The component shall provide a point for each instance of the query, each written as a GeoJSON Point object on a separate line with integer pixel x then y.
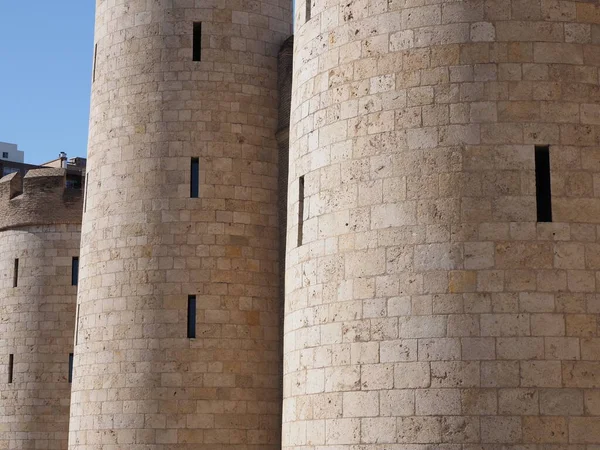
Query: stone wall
{"type": "Point", "coordinates": [284, 88]}
{"type": "Point", "coordinates": [39, 226]}
{"type": "Point", "coordinates": [140, 382]}
{"type": "Point", "coordinates": [40, 197]}
{"type": "Point", "coordinates": [426, 306]}
{"type": "Point", "coordinates": [36, 326]}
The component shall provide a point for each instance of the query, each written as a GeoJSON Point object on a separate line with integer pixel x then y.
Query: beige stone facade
{"type": "Point", "coordinates": [139, 381]}
{"type": "Point", "coordinates": [39, 227]}
{"type": "Point", "coordinates": [433, 299]}
{"type": "Point", "coordinates": [426, 307]}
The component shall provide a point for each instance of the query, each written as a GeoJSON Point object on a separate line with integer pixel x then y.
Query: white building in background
{"type": "Point", "coordinates": [9, 152]}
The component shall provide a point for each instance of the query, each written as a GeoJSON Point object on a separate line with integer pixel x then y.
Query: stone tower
{"type": "Point", "coordinates": [443, 245]}
{"type": "Point", "coordinates": [177, 342]}
{"type": "Point", "coordinates": [40, 223]}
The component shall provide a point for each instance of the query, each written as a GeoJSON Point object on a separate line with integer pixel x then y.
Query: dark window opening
{"type": "Point", "coordinates": [11, 365]}
{"type": "Point", "coordinates": [95, 59]}
{"type": "Point", "coordinates": [74, 271]}
{"type": "Point", "coordinates": [5, 154]}
{"type": "Point", "coordinates": [191, 325]}
{"type": "Point", "coordinates": [308, 9]}
{"type": "Point", "coordinates": [195, 178]}
{"type": "Point", "coordinates": [70, 367]}
{"type": "Point", "coordinates": [197, 44]}
{"type": "Point", "coordinates": [16, 273]}
{"type": "Point", "coordinates": [300, 210]}
{"type": "Point", "coordinates": [542, 184]}
{"type": "Point", "coordinates": [74, 181]}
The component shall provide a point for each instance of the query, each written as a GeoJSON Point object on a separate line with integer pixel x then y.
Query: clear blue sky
{"type": "Point", "coordinates": [46, 51]}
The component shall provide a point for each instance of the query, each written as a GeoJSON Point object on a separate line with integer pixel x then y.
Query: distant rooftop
{"type": "Point", "coordinates": [75, 167]}
{"type": "Point", "coordinates": [10, 152]}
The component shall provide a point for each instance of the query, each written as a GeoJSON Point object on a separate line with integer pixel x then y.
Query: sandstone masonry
{"type": "Point", "coordinates": [180, 83]}
{"type": "Point", "coordinates": [426, 306]}
{"type": "Point", "coordinates": [438, 287]}
{"type": "Point", "coordinates": [39, 236]}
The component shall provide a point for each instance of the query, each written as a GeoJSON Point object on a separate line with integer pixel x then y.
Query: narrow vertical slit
{"type": "Point", "coordinates": [16, 273]}
{"type": "Point", "coordinates": [95, 60]}
{"type": "Point", "coordinates": [70, 367]}
{"type": "Point", "coordinates": [74, 271]}
{"type": "Point", "coordinates": [11, 365]}
{"type": "Point", "coordinates": [85, 193]}
{"type": "Point", "coordinates": [195, 178]}
{"type": "Point", "coordinates": [77, 324]}
{"type": "Point", "coordinates": [542, 184]}
{"type": "Point", "coordinates": [197, 41]}
{"type": "Point", "coordinates": [191, 323]}
{"type": "Point", "coordinates": [300, 210]}
{"type": "Point", "coordinates": [308, 9]}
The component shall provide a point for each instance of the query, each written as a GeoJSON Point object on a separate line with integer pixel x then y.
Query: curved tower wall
{"type": "Point", "coordinates": [426, 305]}
{"type": "Point", "coordinates": [39, 226]}
{"type": "Point", "coordinates": [284, 83]}
{"type": "Point", "coordinates": [139, 380]}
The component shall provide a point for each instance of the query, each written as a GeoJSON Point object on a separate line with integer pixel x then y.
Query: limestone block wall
{"type": "Point", "coordinates": [37, 316]}
{"type": "Point", "coordinates": [426, 307]}
{"type": "Point", "coordinates": [284, 82]}
{"type": "Point", "coordinates": [139, 381]}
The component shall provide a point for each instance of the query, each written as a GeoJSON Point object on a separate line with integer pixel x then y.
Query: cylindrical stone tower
{"type": "Point", "coordinates": [284, 82]}
{"type": "Point", "coordinates": [178, 327]}
{"type": "Point", "coordinates": [442, 275]}
{"type": "Point", "coordinates": [40, 225]}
